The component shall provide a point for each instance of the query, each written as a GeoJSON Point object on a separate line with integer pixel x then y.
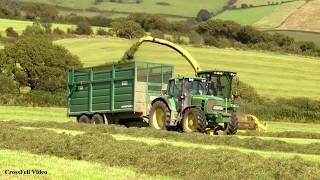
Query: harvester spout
{"type": "Point", "coordinates": [129, 54]}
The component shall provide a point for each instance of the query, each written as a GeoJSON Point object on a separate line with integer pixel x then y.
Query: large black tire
{"type": "Point", "coordinates": [232, 127]}
{"type": "Point", "coordinates": [193, 120]}
{"type": "Point", "coordinates": [97, 119]}
{"type": "Point", "coordinates": [160, 116]}
{"type": "Point", "coordinates": [84, 119]}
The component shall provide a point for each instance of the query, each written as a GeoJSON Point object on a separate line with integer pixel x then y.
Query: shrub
{"type": "Point", "coordinates": [163, 3]}
{"type": "Point", "coordinates": [41, 65]}
{"type": "Point", "coordinates": [83, 28]}
{"type": "Point", "coordinates": [203, 15]}
{"type": "Point", "coordinates": [102, 32]}
{"type": "Point", "coordinates": [58, 31]}
{"type": "Point", "coordinates": [157, 34]}
{"type": "Point", "coordinates": [127, 29]}
{"type": "Point", "coordinates": [11, 32]}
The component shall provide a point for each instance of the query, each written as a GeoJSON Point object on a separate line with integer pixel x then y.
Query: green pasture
{"type": "Point", "coordinates": [301, 36]}
{"type": "Point", "coordinates": [266, 17]}
{"type": "Point", "coordinates": [273, 75]}
{"type": "Point", "coordinates": [190, 7]}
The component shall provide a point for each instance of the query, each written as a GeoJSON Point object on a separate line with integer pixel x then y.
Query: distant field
{"type": "Point", "coordinates": [266, 17]}
{"type": "Point", "coordinates": [19, 26]}
{"type": "Point", "coordinates": [190, 7]}
{"type": "Point", "coordinates": [257, 2]}
{"type": "Point", "coordinates": [305, 19]}
{"type": "Point", "coordinates": [273, 75]}
{"type": "Point", "coordinates": [302, 36]}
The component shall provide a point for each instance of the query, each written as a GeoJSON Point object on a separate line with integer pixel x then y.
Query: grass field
{"type": "Point", "coordinates": [70, 151]}
{"type": "Point", "coordinates": [305, 19]}
{"type": "Point", "coordinates": [148, 6]}
{"type": "Point", "coordinates": [273, 75]}
{"type": "Point", "coordinates": [59, 168]}
{"type": "Point", "coordinates": [266, 17]}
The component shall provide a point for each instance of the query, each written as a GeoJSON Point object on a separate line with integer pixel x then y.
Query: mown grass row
{"type": "Point", "coordinates": [233, 141]}
{"type": "Point", "coordinates": [186, 163]}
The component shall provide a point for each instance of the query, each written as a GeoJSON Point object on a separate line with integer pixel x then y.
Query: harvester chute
{"type": "Point", "coordinates": [129, 54]}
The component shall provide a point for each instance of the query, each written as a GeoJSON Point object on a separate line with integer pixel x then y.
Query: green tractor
{"type": "Point", "coordinates": [191, 105]}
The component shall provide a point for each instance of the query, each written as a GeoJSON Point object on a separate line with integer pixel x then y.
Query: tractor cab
{"type": "Point", "coordinates": [219, 82]}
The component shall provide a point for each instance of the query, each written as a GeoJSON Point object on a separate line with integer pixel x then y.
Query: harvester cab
{"type": "Point", "coordinates": [188, 105]}
{"type": "Point", "coordinates": [220, 83]}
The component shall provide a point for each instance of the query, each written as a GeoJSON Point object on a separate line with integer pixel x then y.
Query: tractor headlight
{"type": "Point", "coordinates": [217, 108]}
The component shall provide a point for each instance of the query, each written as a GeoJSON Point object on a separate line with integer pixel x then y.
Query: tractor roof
{"type": "Point", "coordinates": [194, 78]}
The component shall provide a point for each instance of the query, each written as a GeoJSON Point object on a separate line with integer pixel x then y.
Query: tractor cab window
{"type": "Point", "coordinates": [195, 87]}
{"type": "Point", "coordinates": [220, 86]}
{"type": "Point", "coordinates": [175, 88]}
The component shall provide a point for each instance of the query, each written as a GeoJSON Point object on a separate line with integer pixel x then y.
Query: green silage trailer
{"type": "Point", "coordinates": [112, 92]}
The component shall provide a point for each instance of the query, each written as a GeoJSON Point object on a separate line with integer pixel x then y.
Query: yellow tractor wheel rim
{"type": "Point", "coordinates": [190, 122]}
{"type": "Point", "coordinates": [158, 118]}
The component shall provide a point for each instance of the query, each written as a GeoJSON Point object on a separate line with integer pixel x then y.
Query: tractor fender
{"type": "Point", "coordinates": [165, 100]}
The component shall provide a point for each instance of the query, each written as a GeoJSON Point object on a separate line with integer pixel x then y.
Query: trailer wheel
{"type": "Point", "coordinates": [84, 119]}
{"type": "Point", "coordinates": [97, 119]}
{"type": "Point", "coordinates": [232, 127]}
{"type": "Point", "coordinates": [194, 120]}
{"type": "Point", "coordinates": [159, 116]}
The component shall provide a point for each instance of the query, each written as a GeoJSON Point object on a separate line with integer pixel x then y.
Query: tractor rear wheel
{"type": "Point", "coordinates": [194, 120]}
{"type": "Point", "coordinates": [97, 119]}
{"type": "Point", "coordinates": [232, 127]}
{"type": "Point", "coordinates": [159, 116]}
{"type": "Point", "coordinates": [84, 119]}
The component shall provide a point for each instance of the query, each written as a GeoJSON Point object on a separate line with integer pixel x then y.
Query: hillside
{"type": "Point", "coordinates": [305, 19]}
{"type": "Point", "coordinates": [166, 7]}
{"type": "Point", "coordinates": [264, 17]}
{"type": "Point", "coordinates": [273, 75]}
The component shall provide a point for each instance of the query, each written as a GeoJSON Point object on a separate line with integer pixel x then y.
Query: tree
{"type": "Point", "coordinates": [127, 29]}
{"type": "Point", "coordinates": [203, 15]}
{"type": "Point", "coordinates": [38, 63]}
{"type": "Point", "coordinates": [101, 32]}
{"type": "Point", "coordinates": [58, 31]}
{"type": "Point", "coordinates": [11, 32]}
{"type": "Point", "coordinates": [83, 28]}
{"type": "Point", "coordinates": [34, 30]}
{"type": "Point", "coordinates": [149, 21]}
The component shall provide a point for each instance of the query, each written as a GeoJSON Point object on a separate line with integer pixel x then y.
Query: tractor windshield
{"type": "Point", "coordinates": [221, 86]}
{"type": "Point", "coordinates": [196, 87]}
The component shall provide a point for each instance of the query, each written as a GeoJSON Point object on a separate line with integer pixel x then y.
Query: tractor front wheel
{"type": "Point", "coordinates": [232, 127]}
{"type": "Point", "coordinates": [159, 116]}
{"type": "Point", "coordinates": [194, 120]}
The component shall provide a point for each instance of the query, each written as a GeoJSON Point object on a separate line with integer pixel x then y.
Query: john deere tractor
{"type": "Point", "coordinates": [189, 104]}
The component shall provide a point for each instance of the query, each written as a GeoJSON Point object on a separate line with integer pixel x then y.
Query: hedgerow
{"type": "Point", "coordinates": [233, 141]}
{"type": "Point", "coordinates": [163, 159]}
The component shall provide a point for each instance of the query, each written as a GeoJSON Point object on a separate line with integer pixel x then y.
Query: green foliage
{"type": "Point", "coordinates": [229, 34]}
{"type": "Point", "coordinates": [37, 10]}
{"type": "Point", "coordinates": [127, 29]}
{"type": "Point", "coordinates": [93, 147]}
{"type": "Point", "coordinates": [203, 15]}
{"type": "Point", "coordinates": [38, 63]}
{"type": "Point", "coordinates": [83, 28]}
{"type": "Point", "coordinates": [58, 31]}
{"type": "Point", "coordinates": [8, 85]}
{"type": "Point", "coordinates": [102, 32]}
{"type": "Point", "coordinates": [149, 21]}
{"type": "Point", "coordinates": [11, 32]}
{"type": "Point", "coordinates": [157, 34]}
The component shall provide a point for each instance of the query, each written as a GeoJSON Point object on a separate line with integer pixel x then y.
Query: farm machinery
{"type": "Point", "coordinates": [130, 89]}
